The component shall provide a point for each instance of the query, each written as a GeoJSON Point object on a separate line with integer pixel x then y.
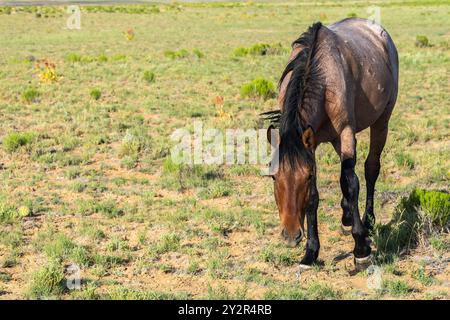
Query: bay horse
{"type": "Point", "coordinates": [340, 79]}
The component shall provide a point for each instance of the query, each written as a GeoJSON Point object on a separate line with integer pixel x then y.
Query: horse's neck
{"type": "Point", "coordinates": [313, 113]}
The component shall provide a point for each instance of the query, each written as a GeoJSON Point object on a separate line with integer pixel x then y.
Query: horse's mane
{"type": "Point", "coordinates": [304, 87]}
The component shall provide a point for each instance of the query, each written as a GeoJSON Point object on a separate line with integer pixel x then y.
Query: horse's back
{"type": "Point", "coordinates": [373, 59]}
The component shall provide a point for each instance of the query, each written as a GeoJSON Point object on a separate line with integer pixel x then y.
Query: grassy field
{"type": "Point", "coordinates": [86, 178]}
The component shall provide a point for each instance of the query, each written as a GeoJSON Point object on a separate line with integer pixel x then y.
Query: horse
{"type": "Point", "coordinates": [340, 79]}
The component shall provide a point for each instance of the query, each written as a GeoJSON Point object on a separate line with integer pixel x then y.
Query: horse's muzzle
{"type": "Point", "coordinates": [294, 240]}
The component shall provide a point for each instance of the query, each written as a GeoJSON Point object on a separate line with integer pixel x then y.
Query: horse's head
{"type": "Point", "coordinates": [294, 183]}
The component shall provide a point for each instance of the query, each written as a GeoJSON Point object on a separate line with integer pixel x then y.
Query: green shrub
{"type": "Point", "coordinates": [47, 282]}
{"type": "Point", "coordinates": [198, 53]}
{"type": "Point", "coordinates": [73, 57]}
{"type": "Point", "coordinates": [259, 49]}
{"type": "Point", "coordinates": [30, 95]}
{"type": "Point", "coordinates": [422, 41]}
{"type": "Point", "coordinates": [95, 94]}
{"type": "Point", "coordinates": [411, 220]}
{"type": "Point", "coordinates": [352, 15]}
{"type": "Point", "coordinates": [102, 58]}
{"type": "Point", "coordinates": [182, 53]}
{"type": "Point", "coordinates": [15, 140]}
{"type": "Point", "coordinates": [240, 52]}
{"type": "Point", "coordinates": [259, 87]}
{"type": "Point", "coordinates": [149, 76]}
{"type": "Point", "coordinates": [435, 204]}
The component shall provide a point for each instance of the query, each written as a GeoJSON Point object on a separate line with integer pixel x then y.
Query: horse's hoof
{"type": "Point", "coordinates": [363, 263]}
{"type": "Point", "coordinates": [304, 267]}
{"type": "Point", "coordinates": [346, 230]}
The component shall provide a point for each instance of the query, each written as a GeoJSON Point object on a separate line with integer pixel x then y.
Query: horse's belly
{"type": "Point", "coordinates": [372, 97]}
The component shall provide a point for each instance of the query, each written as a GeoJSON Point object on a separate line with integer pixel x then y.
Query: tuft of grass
{"type": "Point", "coordinates": [222, 293]}
{"type": "Point", "coordinates": [74, 57]}
{"type": "Point", "coordinates": [278, 256]}
{"type": "Point", "coordinates": [168, 243]}
{"type": "Point", "coordinates": [96, 94]}
{"type": "Point", "coordinates": [258, 88]}
{"type": "Point", "coordinates": [439, 243]}
{"type": "Point", "coordinates": [319, 291]}
{"type": "Point", "coordinates": [14, 140]}
{"type": "Point", "coordinates": [30, 95]}
{"type": "Point", "coordinates": [5, 277]}
{"type": "Point", "coordinates": [109, 209]}
{"type": "Point", "coordinates": [396, 288]}
{"type": "Point", "coordinates": [47, 282]}
{"type": "Point", "coordinates": [404, 160]}
{"type": "Point", "coordinates": [422, 41]}
{"type": "Point", "coordinates": [149, 76]}
{"type": "Point", "coordinates": [315, 291]}
{"type": "Point", "coordinates": [215, 190]}
{"type": "Point", "coordinates": [287, 292]}
{"type": "Point", "coordinates": [198, 53]}
{"type": "Point", "coordinates": [181, 176]}
{"type": "Point", "coordinates": [421, 275]}
{"type": "Point", "coordinates": [180, 54]}
{"type": "Point", "coordinates": [259, 49]}
{"type": "Point", "coordinates": [240, 52]}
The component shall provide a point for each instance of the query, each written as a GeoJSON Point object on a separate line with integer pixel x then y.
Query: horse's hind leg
{"type": "Point", "coordinates": [378, 135]}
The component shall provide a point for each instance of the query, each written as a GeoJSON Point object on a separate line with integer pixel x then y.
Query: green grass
{"type": "Point", "coordinates": [422, 41]}
{"type": "Point", "coordinates": [396, 288]}
{"type": "Point", "coordinates": [47, 282]}
{"type": "Point", "coordinates": [412, 220]}
{"type": "Point", "coordinates": [96, 94]}
{"type": "Point", "coordinates": [258, 88]}
{"type": "Point", "coordinates": [14, 140]}
{"type": "Point", "coordinates": [88, 179]}
{"type": "Point", "coordinates": [149, 76]}
{"type": "Point", "coordinates": [30, 95]}
{"type": "Point", "coordinates": [123, 293]}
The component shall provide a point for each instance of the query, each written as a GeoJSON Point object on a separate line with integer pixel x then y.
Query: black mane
{"type": "Point", "coordinates": [304, 86]}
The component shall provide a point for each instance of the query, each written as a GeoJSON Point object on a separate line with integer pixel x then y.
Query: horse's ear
{"type": "Point", "coordinates": [273, 133]}
{"type": "Point", "coordinates": [308, 139]}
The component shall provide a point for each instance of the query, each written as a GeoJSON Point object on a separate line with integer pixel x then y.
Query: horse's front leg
{"type": "Point", "coordinates": [312, 242]}
{"type": "Point", "coordinates": [350, 188]}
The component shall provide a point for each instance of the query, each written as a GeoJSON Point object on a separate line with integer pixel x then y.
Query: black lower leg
{"type": "Point", "coordinates": [312, 243]}
{"type": "Point", "coordinates": [350, 188]}
{"type": "Point", "coordinates": [346, 215]}
{"type": "Point", "coordinates": [371, 172]}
